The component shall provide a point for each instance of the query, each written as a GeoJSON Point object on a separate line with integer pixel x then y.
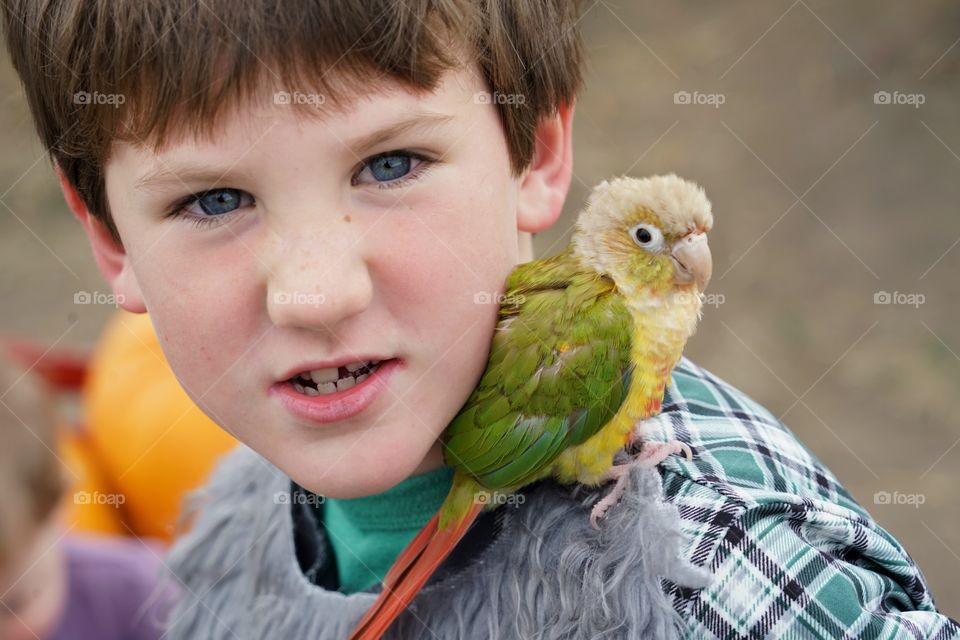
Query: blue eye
{"type": "Point", "coordinates": [211, 206]}
{"type": "Point", "coordinates": [391, 169]}
{"type": "Point", "coordinates": [219, 201]}
{"type": "Point", "coordinates": [387, 168]}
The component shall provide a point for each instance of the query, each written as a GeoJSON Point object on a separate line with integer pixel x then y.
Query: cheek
{"type": "Point", "coordinates": [445, 254]}
{"type": "Point", "coordinates": [465, 231]}
{"type": "Point", "coordinates": [444, 267]}
{"type": "Point", "coordinates": [189, 297]}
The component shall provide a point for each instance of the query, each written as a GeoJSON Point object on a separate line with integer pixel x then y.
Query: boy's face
{"type": "Point", "coordinates": [312, 249]}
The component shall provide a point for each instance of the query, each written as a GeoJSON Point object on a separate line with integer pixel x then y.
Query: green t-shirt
{"type": "Point", "coordinates": [367, 534]}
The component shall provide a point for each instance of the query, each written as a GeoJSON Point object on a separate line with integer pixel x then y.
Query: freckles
{"type": "Point", "coordinates": [205, 354]}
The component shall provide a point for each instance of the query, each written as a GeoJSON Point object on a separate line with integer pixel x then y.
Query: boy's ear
{"type": "Point", "coordinates": [112, 260]}
{"type": "Point", "coordinates": [544, 186]}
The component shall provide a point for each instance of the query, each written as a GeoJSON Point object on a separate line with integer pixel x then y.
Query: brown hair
{"type": "Point", "coordinates": [31, 476]}
{"type": "Point", "coordinates": [175, 64]}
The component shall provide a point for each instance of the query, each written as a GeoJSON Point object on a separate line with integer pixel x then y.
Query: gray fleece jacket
{"type": "Point", "coordinates": [533, 568]}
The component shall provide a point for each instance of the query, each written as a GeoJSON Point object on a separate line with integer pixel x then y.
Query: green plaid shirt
{"type": "Point", "coordinates": [792, 553]}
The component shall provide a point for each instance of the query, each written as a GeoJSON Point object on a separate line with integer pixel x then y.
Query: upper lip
{"type": "Point", "coordinates": [330, 364]}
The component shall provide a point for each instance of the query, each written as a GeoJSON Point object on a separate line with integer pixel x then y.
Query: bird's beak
{"type": "Point", "coordinates": [691, 260]}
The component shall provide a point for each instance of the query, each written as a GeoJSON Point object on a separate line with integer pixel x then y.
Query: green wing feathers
{"type": "Point", "coordinates": [558, 370]}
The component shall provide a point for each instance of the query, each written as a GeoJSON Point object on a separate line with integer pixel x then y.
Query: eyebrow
{"type": "Point", "coordinates": [419, 120]}
{"type": "Point", "coordinates": [192, 172]}
{"type": "Point", "coordinates": [180, 174]}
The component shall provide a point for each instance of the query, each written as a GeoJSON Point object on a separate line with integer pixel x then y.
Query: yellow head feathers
{"type": "Point", "coordinates": [647, 231]}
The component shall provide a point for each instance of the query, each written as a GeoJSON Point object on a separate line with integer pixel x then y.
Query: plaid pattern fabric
{"type": "Point", "coordinates": [792, 553]}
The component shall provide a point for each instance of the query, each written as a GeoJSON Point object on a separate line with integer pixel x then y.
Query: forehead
{"type": "Point", "coordinates": [387, 110]}
{"type": "Point", "coordinates": [294, 117]}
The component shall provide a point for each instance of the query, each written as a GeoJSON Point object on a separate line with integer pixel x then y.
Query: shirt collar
{"type": "Point", "coordinates": [315, 555]}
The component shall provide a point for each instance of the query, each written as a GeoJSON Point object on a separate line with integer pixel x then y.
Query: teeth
{"type": "Point", "coordinates": [329, 381]}
{"type": "Point", "coordinates": [324, 375]}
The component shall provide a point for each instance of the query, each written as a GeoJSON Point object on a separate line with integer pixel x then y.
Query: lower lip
{"type": "Point", "coordinates": [339, 405]}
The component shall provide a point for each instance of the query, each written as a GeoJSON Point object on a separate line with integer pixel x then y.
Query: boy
{"type": "Point", "coordinates": [327, 191]}
{"type": "Point", "coordinates": [55, 586]}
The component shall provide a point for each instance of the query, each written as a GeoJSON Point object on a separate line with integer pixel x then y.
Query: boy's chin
{"type": "Point", "coordinates": [369, 475]}
{"type": "Point", "coordinates": [353, 487]}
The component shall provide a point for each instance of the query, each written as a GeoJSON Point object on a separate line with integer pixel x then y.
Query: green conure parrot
{"type": "Point", "coordinates": [583, 349]}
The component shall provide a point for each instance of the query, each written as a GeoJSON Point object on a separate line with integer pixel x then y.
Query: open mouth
{"type": "Point", "coordinates": [320, 382]}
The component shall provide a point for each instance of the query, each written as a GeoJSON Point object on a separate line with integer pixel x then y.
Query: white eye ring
{"type": "Point", "coordinates": [647, 236]}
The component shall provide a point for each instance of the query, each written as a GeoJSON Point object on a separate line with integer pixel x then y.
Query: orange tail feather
{"type": "Point", "coordinates": [410, 572]}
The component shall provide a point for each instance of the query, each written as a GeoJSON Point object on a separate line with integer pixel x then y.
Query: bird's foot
{"type": "Point", "coordinates": [620, 472]}
{"type": "Point", "coordinates": [652, 454]}
{"type": "Point", "coordinates": [641, 431]}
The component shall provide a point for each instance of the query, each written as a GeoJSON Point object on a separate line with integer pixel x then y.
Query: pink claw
{"type": "Point", "coordinates": [652, 454]}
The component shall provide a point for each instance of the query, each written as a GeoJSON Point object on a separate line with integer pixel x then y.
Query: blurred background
{"type": "Point", "coordinates": [827, 137]}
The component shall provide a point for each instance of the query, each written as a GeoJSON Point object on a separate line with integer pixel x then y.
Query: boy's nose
{"type": "Point", "coordinates": [314, 289]}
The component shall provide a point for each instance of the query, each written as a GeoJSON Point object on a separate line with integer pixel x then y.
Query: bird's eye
{"type": "Point", "coordinates": [647, 236]}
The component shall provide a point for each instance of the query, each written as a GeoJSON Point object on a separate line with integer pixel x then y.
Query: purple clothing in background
{"type": "Point", "coordinates": [111, 590]}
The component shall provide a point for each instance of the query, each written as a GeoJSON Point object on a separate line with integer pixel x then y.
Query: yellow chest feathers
{"type": "Point", "coordinates": [660, 331]}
